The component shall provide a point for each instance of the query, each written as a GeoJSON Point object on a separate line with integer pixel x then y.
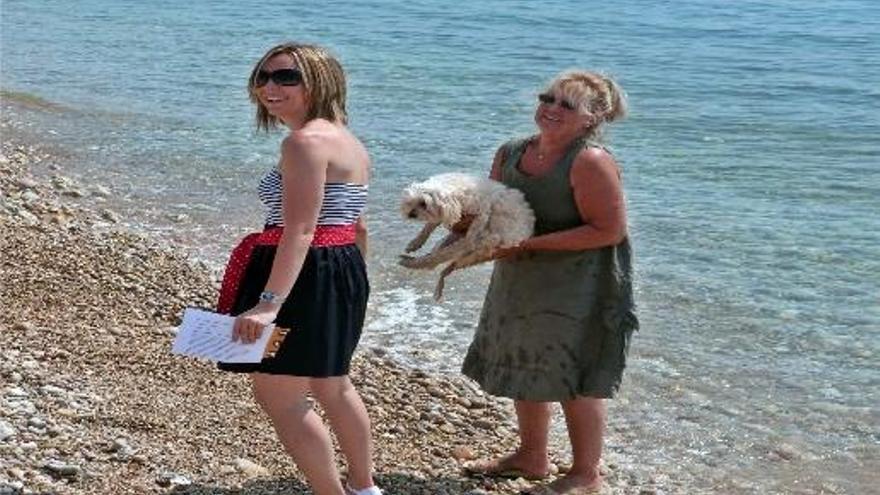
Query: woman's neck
{"type": "Point", "coordinates": [294, 124]}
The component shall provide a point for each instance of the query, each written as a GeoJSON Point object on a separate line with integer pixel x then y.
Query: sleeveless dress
{"type": "Point", "coordinates": [325, 310]}
{"type": "Point", "coordinates": [555, 325]}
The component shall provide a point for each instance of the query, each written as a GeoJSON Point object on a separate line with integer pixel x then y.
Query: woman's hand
{"type": "Point", "coordinates": [504, 252]}
{"type": "Point", "coordinates": [249, 325]}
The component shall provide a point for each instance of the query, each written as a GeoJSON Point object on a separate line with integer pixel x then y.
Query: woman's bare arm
{"type": "Point", "coordinates": [598, 194]}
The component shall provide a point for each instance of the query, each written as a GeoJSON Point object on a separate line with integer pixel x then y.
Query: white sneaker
{"type": "Point", "coordinates": [372, 490]}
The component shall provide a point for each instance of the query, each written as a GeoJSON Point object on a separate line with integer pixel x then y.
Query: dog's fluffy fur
{"type": "Point", "coordinates": [501, 218]}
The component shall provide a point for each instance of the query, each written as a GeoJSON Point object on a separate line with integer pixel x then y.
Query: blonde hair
{"type": "Point", "coordinates": [323, 82]}
{"type": "Point", "coordinates": [592, 93]}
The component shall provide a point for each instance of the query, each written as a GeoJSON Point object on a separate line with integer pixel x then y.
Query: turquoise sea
{"type": "Point", "coordinates": [751, 161]}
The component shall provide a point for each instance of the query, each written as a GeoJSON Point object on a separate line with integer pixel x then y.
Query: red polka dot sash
{"type": "Point", "coordinates": [325, 236]}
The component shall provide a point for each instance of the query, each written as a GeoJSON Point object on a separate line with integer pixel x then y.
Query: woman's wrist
{"type": "Point", "coordinates": [272, 298]}
{"type": "Point", "coordinates": [265, 307]}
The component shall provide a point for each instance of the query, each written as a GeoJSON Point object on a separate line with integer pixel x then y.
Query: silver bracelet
{"type": "Point", "coordinates": [267, 296]}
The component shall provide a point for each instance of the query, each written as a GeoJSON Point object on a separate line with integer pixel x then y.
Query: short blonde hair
{"type": "Point", "coordinates": [323, 82]}
{"type": "Point", "coordinates": [592, 93]}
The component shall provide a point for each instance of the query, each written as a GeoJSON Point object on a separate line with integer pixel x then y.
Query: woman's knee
{"type": "Point", "coordinates": [585, 405]}
{"type": "Point", "coordinates": [330, 390]}
{"type": "Point", "coordinates": [277, 394]}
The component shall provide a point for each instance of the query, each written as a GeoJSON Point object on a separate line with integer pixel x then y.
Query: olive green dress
{"type": "Point", "coordinates": [555, 325]}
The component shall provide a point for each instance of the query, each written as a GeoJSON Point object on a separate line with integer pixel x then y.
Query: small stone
{"type": "Point", "coordinates": [24, 326]}
{"type": "Point", "coordinates": [37, 422]}
{"type": "Point", "coordinates": [101, 191]}
{"type": "Point", "coordinates": [484, 424]}
{"type": "Point", "coordinates": [53, 390]}
{"type": "Point", "coordinates": [28, 446]}
{"type": "Point", "coordinates": [118, 445]}
{"type": "Point", "coordinates": [436, 392]}
{"type": "Point", "coordinates": [122, 451]}
{"type": "Point", "coordinates": [169, 479]}
{"type": "Point", "coordinates": [27, 216]}
{"type": "Point", "coordinates": [62, 469]}
{"type": "Point", "coordinates": [110, 216]}
{"type": "Point", "coordinates": [786, 452]}
{"type": "Point", "coordinates": [6, 430]}
{"type": "Point", "coordinates": [73, 193]}
{"type": "Point", "coordinates": [15, 392]}
{"type": "Point", "coordinates": [27, 183]}
{"type": "Point", "coordinates": [250, 469]}
{"type": "Point", "coordinates": [11, 487]}
{"type": "Point", "coordinates": [463, 453]}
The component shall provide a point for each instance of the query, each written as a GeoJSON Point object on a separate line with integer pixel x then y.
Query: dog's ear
{"type": "Point", "coordinates": [410, 202]}
{"type": "Point", "coordinates": [428, 202]}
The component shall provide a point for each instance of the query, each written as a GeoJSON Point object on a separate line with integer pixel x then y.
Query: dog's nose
{"type": "Point", "coordinates": [412, 214]}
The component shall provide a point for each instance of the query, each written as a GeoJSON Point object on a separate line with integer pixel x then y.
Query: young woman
{"type": "Point", "coordinates": [305, 272]}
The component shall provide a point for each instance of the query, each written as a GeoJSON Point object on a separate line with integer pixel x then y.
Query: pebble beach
{"type": "Point", "coordinates": [93, 402]}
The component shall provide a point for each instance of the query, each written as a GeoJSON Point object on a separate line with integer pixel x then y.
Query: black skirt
{"type": "Point", "coordinates": [324, 311]}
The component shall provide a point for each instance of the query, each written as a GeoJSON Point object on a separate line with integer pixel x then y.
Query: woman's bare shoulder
{"type": "Point", "coordinates": [594, 159]}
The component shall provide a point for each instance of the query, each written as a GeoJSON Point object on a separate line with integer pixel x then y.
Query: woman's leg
{"type": "Point", "coordinates": [533, 419]}
{"type": "Point", "coordinates": [531, 457]}
{"type": "Point", "coordinates": [301, 431]}
{"type": "Point", "coordinates": [350, 422]}
{"type": "Point", "coordinates": [585, 418]}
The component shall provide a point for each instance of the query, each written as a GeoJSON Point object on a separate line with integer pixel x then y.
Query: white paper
{"type": "Point", "coordinates": [208, 335]}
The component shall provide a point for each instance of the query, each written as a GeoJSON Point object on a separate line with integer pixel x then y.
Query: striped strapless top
{"type": "Point", "coordinates": [343, 202]}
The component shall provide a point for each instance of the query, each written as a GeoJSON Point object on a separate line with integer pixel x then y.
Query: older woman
{"type": "Point", "coordinates": [305, 272]}
{"type": "Point", "coordinates": [559, 312]}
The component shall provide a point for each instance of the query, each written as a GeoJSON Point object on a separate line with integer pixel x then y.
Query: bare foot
{"type": "Point", "coordinates": [571, 484]}
{"type": "Point", "coordinates": [511, 466]}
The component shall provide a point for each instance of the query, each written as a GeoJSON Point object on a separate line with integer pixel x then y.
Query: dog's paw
{"type": "Point", "coordinates": [413, 246]}
{"type": "Point", "coordinates": [438, 291]}
{"type": "Point", "coordinates": [408, 261]}
{"type": "Point", "coordinates": [415, 262]}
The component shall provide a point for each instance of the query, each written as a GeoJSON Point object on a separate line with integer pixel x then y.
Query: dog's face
{"type": "Point", "coordinates": [434, 201]}
{"type": "Point", "coordinates": [419, 204]}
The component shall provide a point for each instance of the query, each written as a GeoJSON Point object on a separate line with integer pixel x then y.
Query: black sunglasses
{"type": "Point", "coordinates": [549, 99]}
{"type": "Point", "coordinates": [281, 77]}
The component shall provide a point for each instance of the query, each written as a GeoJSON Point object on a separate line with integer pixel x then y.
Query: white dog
{"type": "Point", "coordinates": [499, 217]}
